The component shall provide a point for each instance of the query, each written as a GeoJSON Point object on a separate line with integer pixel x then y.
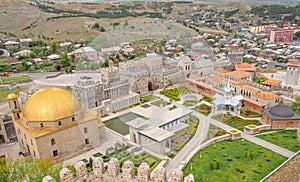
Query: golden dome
{"type": "Point", "coordinates": [11, 96]}
{"type": "Point", "coordinates": [51, 104]}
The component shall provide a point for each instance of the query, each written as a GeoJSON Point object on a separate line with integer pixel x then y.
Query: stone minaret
{"type": "Point", "coordinates": [14, 106]}
{"type": "Point", "coordinates": [292, 72]}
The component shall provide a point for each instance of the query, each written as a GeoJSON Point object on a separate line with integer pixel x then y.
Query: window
{"type": "Point", "coordinates": [31, 142]}
{"type": "Point", "coordinates": [34, 153]}
{"type": "Point", "coordinates": [18, 115]}
{"type": "Point", "coordinates": [53, 141]}
{"type": "Point", "coordinates": [42, 125]}
{"type": "Point", "coordinates": [25, 136]}
{"type": "Point", "coordinates": [87, 141]}
{"type": "Point", "coordinates": [15, 104]}
{"type": "Point", "coordinates": [73, 118]}
{"type": "Point", "coordinates": [55, 153]}
{"type": "Point", "coordinates": [85, 130]}
{"type": "Point", "coordinates": [59, 123]}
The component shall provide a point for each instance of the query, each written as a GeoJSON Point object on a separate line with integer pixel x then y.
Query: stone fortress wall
{"type": "Point", "coordinates": [110, 172]}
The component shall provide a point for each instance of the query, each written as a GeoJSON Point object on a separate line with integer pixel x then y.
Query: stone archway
{"type": "Point", "coordinates": [145, 85]}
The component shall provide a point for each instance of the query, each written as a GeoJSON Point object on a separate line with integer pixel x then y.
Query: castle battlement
{"type": "Point", "coordinates": [110, 172]}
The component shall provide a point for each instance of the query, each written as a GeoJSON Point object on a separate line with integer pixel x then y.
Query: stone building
{"type": "Point", "coordinates": [54, 125]}
{"type": "Point", "coordinates": [7, 129]}
{"type": "Point", "coordinates": [144, 75]}
{"type": "Point", "coordinates": [155, 133]}
{"type": "Point", "coordinates": [111, 94]}
{"type": "Point", "coordinates": [112, 173]}
{"type": "Point", "coordinates": [235, 56]}
{"type": "Point", "coordinates": [227, 102]}
{"type": "Point", "coordinates": [281, 117]}
{"type": "Point", "coordinates": [292, 72]}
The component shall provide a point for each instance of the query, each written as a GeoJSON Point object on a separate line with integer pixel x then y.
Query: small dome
{"type": "Point", "coordinates": [51, 104]}
{"type": "Point", "coordinates": [281, 110]}
{"type": "Point", "coordinates": [11, 96]}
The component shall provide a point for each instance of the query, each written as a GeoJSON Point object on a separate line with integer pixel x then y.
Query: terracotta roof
{"type": "Point", "coordinates": [222, 70]}
{"type": "Point", "coordinates": [266, 95]}
{"type": "Point", "coordinates": [224, 80]}
{"type": "Point", "coordinates": [251, 89]}
{"type": "Point", "coordinates": [254, 102]}
{"type": "Point", "coordinates": [239, 74]}
{"type": "Point", "coordinates": [244, 67]}
{"type": "Point", "coordinates": [13, 61]}
{"type": "Point", "coordinates": [271, 82]}
{"type": "Point", "coordinates": [232, 47]}
{"type": "Point", "coordinates": [293, 62]}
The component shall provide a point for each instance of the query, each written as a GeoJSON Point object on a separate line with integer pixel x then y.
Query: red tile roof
{"type": "Point", "coordinates": [244, 67]}
{"type": "Point", "coordinates": [271, 82]}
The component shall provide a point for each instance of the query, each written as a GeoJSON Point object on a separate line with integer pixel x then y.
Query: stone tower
{"type": "Point", "coordinates": [159, 175]}
{"type": "Point", "coordinates": [176, 176]}
{"type": "Point", "coordinates": [81, 171]}
{"type": "Point", "coordinates": [66, 175]}
{"type": "Point", "coordinates": [292, 72]}
{"type": "Point", "coordinates": [98, 168]}
{"type": "Point", "coordinates": [113, 170]}
{"type": "Point", "coordinates": [14, 106]}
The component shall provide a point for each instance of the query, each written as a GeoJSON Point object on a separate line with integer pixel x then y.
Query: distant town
{"type": "Point", "coordinates": [177, 91]}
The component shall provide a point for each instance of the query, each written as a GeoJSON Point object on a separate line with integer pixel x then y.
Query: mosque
{"type": "Point", "coordinates": [54, 125]}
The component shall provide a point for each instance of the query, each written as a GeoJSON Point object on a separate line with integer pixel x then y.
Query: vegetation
{"type": "Point", "coordinates": [296, 105]}
{"type": "Point", "coordinates": [249, 114]}
{"type": "Point", "coordinates": [235, 121]}
{"type": "Point", "coordinates": [206, 98]}
{"type": "Point", "coordinates": [15, 79]}
{"type": "Point", "coordinates": [28, 170]}
{"type": "Point", "coordinates": [160, 102]}
{"type": "Point", "coordinates": [149, 98]}
{"type": "Point", "coordinates": [259, 80]}
{"type": "Point", "coordinates": [222, 163]}
{"type": "Point", "coordinates": [5, 91]}
{"type": "Point", "coordinates": [286, 139]}
{"type": "Point", "coordinates": [183, 136]}
{"type": "Point", "coordinates": [174, 93]}
{"type": "Point", "coordinates": [203, 109]}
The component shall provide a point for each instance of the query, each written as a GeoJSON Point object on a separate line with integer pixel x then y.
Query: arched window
{"type": "Point", "coordinates": [52, 141]}
{"type": "Point", "coordinates": [59, 123]}
{"type": "Point", "coordinates": [85, 130]}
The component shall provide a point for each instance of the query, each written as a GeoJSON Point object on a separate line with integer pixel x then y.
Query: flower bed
{"type": "Point", "coordinates": [249, 114]}
{"type": "Point", "coordinates": [235, 121]}
{"type": "Point", "coordinates": [203, 109]}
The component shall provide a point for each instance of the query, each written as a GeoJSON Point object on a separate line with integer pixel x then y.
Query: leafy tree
{"type": "Point", "coordinates": [1, 52]}
{"type": "Point", "coordinates": [53, 47]}
{"type": "Point", "coordinates": [218, 164]}
{"type": "Point", "coordinates": [25, 65]}
{"type": "Point", "coordinates": [296, 105]}
{"type": "Point", "coordinates": [96, 26]}
{"type": "Point", "coordinates": [246, 153]}
{"type": "Point", "coordinates": [211, 166]}
{"type": "Point", "coordinates": [102, 29]}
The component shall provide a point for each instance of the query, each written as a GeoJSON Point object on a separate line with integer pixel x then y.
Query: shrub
{"type": "Point", "coordinates": [218, 165]}
{"type": "Point", "coordinates": [225, 155]}
{"type": "Point", "coordinates": [211, 165]}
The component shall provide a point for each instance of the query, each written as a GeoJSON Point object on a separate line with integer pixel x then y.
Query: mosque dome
{"type": "Point", "coordinates": [51, 104]}
{"type": "Point", "coordinates": [11, 96]}
{"type": "Point", "coordinates": [281, 110]}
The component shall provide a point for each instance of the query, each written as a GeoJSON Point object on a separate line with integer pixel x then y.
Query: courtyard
{"type": "Point", "coordinates": [119, 125]}
{"type": "Point", "coordinates": [247, 162]}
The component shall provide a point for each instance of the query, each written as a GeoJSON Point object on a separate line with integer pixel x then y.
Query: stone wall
{"type": "Point", "coordinates": [110, 172]}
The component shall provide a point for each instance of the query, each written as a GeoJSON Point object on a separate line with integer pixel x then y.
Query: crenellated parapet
{"type": "Point", "coordinates": [110, 172]}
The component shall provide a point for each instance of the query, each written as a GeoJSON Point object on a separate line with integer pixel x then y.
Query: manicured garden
{"type": "Point", "coordinates": [249, 114]}
{"type": "Point", "coordinates": [206, 98]}
{"type": "Point", "coordinates": [215, 131]}
{"type": "Point", "coordinates": [203, 109]}
{"type": "Point", "coordinates": [15, 79]}
{"type": "Point", "coordinates": [183, 136]}
{"type": "Point", "coordinates": [174, 93]}
{"type": "Point", "coordinates": [235, 121]}
{"type": "Point", "coordinates": [286, 139]}
{"type": "Point", "coordinates": [236, 160]}
{"type": "Point", "coordinates": [119, 125]}
{"type": "Point", "coordinates": [188, 103]}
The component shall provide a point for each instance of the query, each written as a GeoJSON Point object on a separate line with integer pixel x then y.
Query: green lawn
{"type": "Point", "coordinates": [4, 93]}
{"type": "Point", "coordinates": [233, 164]}
{"type": "Point", "coordinates": [286, 139]}
{"type": "Point", "coordinates": [235, 121]}
{"type": "Point", "coordinates": [149, 98]}
{"type": "Point", "coordinates": [119, 125]}
{"type": "Point", "coordinates": [206, 98]}
{"type": "Point", "coordinates": [160, 102]}
{"type": "Point", "coordinates": [15, 78]}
